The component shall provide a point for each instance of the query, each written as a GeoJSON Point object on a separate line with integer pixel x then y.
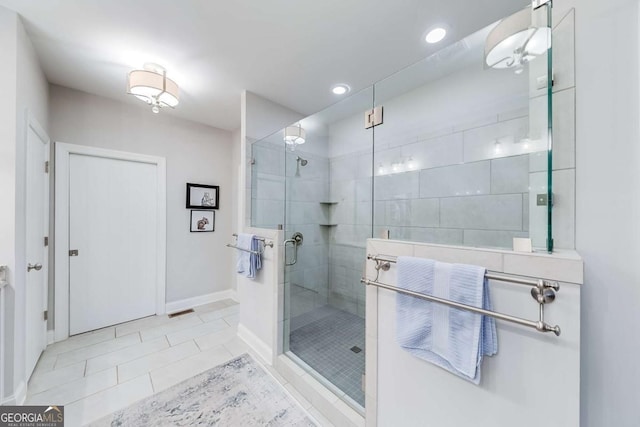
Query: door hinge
{"type": "Point", "coordinates": [45, 315]}
{"type": "Point", "coordinates": [46, 166]}
{"type": "Point", "coordinates": [46, 241]}
{"type": "Point", "coordinates": [373, 117]}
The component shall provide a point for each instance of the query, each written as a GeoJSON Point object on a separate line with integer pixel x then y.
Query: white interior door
{"type": "Point", "coordinates": [113, 227]}
{"type": "Point", "coordinates": [37, 225]}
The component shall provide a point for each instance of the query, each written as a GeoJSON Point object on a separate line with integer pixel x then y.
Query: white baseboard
{"type": "Point", "coordinates": [263, 350]}
{"type": "Point", "coordinates": [184, 304]}
{"type": "Point", "coordinates": [18, 397]}
{"type": "Point", "coordinates": [51, 338]}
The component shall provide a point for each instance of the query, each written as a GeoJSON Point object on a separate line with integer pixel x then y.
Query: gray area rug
{"type": "Point", "coordinates": [237, 393]}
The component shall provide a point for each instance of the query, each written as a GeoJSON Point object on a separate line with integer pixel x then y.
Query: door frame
{"type": "Point", "coordinates": [33, 124]}
{"type": "Point", "coordinates": [62, 153]}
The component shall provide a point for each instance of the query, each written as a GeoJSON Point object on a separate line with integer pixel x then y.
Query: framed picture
{"type": "Point", "coordinates": [202, 221]}
{"type": "Point", "coordinates": [203, 196]}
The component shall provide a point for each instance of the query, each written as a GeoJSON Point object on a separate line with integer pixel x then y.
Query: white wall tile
{"type": "Point", "coordinates": [563, 52]}
{"type": "Point", "coordinates": [491, 238]}
{"type": "Point", "coordinates": [397, 186]}
{"type": "Point", "coordinates": [510, 175]}
{"type": "Point", "coordinates": [495, 212]}
{"type": "Point", "coordinates": [564, 202]}
{"type": "Point", "coordinates": [442, 151]}
{"type": "Point", "coordinates": [564, 129]}
{"type": "Point", "coordinates": [456, 180]}
{"type": "Point", "coordinates": [537, 214]}
{"type": "Point", "coordinates": [480, 143]}
{"type": "Point", "coordinates": [545, 266]}
{"type": "Point", "coordinates": [488, 259]}
{"type": "Point", "coordinates": [445, 236]}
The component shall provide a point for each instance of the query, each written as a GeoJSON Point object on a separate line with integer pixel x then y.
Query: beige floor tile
{"type": "Point", "coordinates": [126, 354]}
{"type": "Point", "coordinates": [174, 325]}
{"type": "Point", "coordinates": [236, 347]}
{"type": "Point", "coordinates": [76, 390]}
{"type": "Point", "coordinates": [84, 353]}
{"type": "Point", "coordinates": [206, 308]}
{"type": "Point", "coordinates": [140, 324]}
{"type": "Point", "coordinates": [98, 405]}
{"type": "Point", "coordinates": [175, 373]}
{"type": "Point", "coordinates": [41, 381]}
{"type": "Point", "coordinates": [197, 331]}
{"type": "Point", "coordinates": [82, 340]}
{"type": "Point", "coordinates": [219, 314]}
{"type": "Point", "coordinates": [143, 365]}
{"type": "Point", "coordinates": [215, 339]}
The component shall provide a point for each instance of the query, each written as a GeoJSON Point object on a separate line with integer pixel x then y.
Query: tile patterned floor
{"type": "Point", "coordinates": [323, 339]}
{"type": "Point", "coordinates": [100, 372]}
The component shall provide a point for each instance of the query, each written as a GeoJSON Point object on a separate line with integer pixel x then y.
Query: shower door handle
{"type": "Point", "coordinates": [295, 240]}
{"type": "Point", "coordinates": [295, 253]}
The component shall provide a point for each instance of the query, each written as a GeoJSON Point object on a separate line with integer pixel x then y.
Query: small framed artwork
{"type": "Point", "coordinates": [203, 196]}
{"type": "Point", "coordinates": [202, 221]}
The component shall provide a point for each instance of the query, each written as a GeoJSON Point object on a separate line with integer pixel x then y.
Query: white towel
{"type": "Point", "coordinates": [453, 339]}
{"type": "Point", "coordinates": [244, 257]}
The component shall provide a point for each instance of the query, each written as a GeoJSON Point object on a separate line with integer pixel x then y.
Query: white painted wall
{"type": "Point", "coordinates": [197, 264]}
{"type": "Point", "coordinates": [531, 370]}
{"type": "Point", "coordinates": [608, 207]}
{"type": "Point", "coordinates": [8, 46]}
{"type": "Point", "coordinates": [26, 89]}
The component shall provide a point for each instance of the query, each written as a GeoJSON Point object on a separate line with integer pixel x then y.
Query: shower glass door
{"type": "Point", "coordinates": [328, 217]}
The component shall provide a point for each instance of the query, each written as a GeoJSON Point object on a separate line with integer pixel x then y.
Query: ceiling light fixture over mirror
{"type": "Point", "coordinates": [514, 42]}
{"type": "Point", "coordinates": [152, 86]}
{"type": "Point", "coordinates": [294, 136]}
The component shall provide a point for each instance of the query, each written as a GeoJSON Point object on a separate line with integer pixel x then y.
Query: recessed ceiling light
{"type": "Point", "coordinates": [435, 35]}
{"type": "Point", "coordinates": [340, 89]}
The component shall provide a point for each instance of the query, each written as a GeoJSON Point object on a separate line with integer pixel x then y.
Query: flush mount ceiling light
{"type": "Point", "coordinates": [514, 42]}
{"type": "Point", "coordinates": [340, 89]}
{"type": "Point", "coordinates": [152, 86]}
{"type": "Point", "coordinates": [294, 135]}
{"type": "Point", "coordinates": [435, 35]}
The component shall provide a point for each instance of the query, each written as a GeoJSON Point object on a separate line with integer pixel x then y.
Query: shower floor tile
{"type": "Point", "coordinates": [325, 341]}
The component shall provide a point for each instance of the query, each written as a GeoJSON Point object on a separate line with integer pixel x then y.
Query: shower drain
{"type": "Point", "coordinates": [356, 349]}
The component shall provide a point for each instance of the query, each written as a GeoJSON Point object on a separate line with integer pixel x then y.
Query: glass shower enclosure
{"type": "Point", "coordinates": [462, 156]}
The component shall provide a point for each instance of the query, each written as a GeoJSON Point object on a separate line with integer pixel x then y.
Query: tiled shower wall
{"type": "Point", "coordinates": [440, 177]}
{"type": "Point", "coordinates": [275, 174]}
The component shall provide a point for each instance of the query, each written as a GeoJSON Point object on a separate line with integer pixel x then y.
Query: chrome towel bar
{"type": "Point", "coordinates": [542, 291]}
{"type": "Point", "coordinates": [264, 241]}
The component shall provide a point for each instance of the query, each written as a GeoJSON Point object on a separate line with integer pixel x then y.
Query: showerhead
{"type": "Point", "coordinates": [302, 161]}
